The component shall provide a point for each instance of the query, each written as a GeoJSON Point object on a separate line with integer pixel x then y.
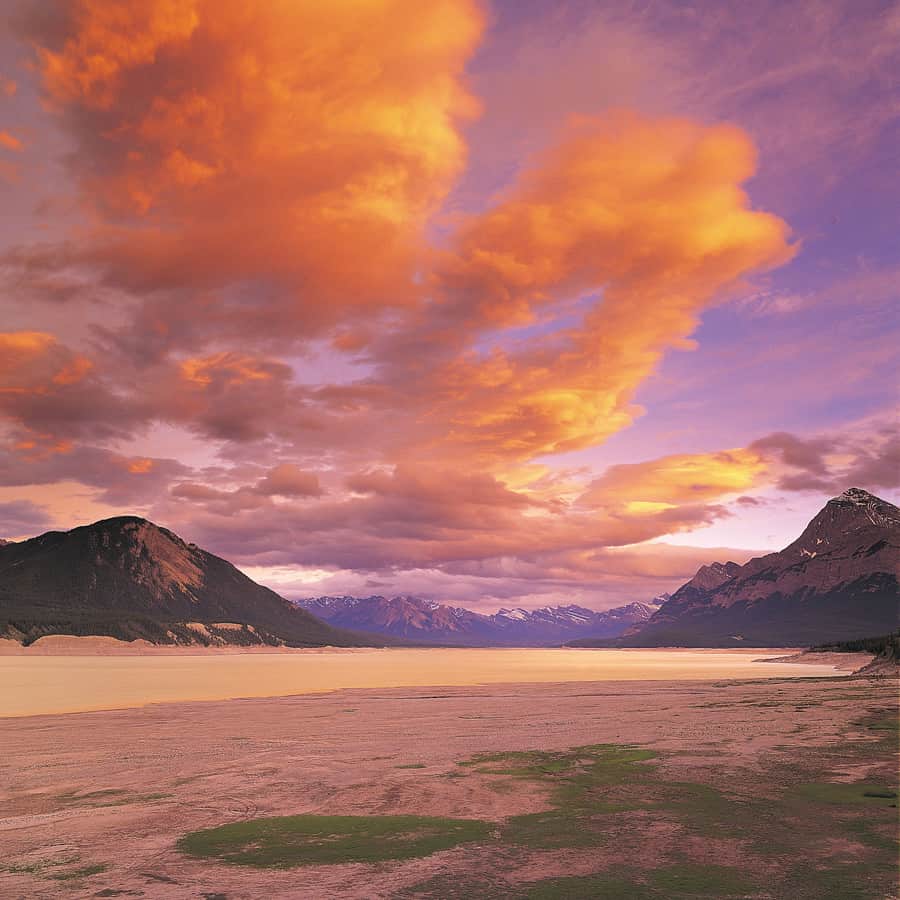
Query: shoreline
{"type": "Point", "coordinates": [57, 684]}
{"type": "Point", "coordinates": [98, 645]}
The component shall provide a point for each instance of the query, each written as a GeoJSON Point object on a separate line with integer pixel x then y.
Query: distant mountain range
{"type": "Point", "coordinates": [837, 581]}
{"type": "Point", "coordinates": [128, 578]}
{"type": "Point", "coordinates": [426, 621]}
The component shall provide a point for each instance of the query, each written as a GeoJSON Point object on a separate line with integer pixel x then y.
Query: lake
{"type": "Point", "coordinates": [47, 684]}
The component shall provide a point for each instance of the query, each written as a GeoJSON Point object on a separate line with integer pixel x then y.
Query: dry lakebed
{"type": "Point", "coordinates": [444, 773]}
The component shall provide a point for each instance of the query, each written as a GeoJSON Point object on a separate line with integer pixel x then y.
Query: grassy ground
{"type": "Point", "coordinates": [797, 828]}
{"type": "Point", "coordinates": [286, 841]}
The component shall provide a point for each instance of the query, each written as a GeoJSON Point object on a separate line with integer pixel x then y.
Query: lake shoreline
{"type": "Point", "coordinates": [51, 684]}
{"type": "Point", "coordinates": [97, 645]}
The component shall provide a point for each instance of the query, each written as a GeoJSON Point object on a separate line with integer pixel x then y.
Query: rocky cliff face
{"type": "Point", "coordinates": [711, 576]}
{"type": "Point", "coordinates": [838, 580]}
{"type": "Point", "coordinates": [129, 578]}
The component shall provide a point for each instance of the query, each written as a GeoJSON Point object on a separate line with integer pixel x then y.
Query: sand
{"type": "Point", "coordinates": [52, 679]}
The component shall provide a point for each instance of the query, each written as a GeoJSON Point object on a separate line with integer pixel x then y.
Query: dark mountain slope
{"type": "Point", "coordinates": [129, 578]}
{"type": "Point", "coordinates": [837, 581]}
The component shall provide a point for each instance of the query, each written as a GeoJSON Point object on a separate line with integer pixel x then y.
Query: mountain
{"type": "Point", "coordinates": [129, 578]}
{"type": "Point", "coordinates": [435, 623]}
{"type": "Point", "coordinates": [837, 581]}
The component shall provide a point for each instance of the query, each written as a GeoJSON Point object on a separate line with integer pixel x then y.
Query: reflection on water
{"type": "Point", "coordinates": [52, 684]}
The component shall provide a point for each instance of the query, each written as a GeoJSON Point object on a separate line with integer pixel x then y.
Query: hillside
{"type": "Point", "coordinates": [128, 578]}
{"type": "Point", "coordinates": [837, 581]}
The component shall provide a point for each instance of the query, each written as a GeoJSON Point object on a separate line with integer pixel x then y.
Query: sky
{"type": "Point", "coordinates": [506, 303]}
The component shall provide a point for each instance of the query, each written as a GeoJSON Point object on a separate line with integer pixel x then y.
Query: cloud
{"type": "Point", "coordinates": [876, 467]}
{"type": "Point", "coordinates": [284, 481]}
{"type": "Point", "coordinates": [54, 394]}
{"type": "Point", "coordinates": [831, 463]}
{"type": "Point", "coordinates": [287, 480]}
{"type": "Point", "coordinates": [799, 453]}
{"type": "Point", "coordinates": [228, 396]}
{"type": "Point", "coordinates": [642, 218]}
{"type": "Point", "coordinates": [22, 518]}
{"type": "Point", "coordinates": [298, 145]}
{"type": "Point", "coordinates": [271, 265]}
{"type": "Point", "coordinates": [674, 480]}
{"type": "Point", "coordinates": [422, 516]}
{"type": "Point", "coordinates": [619, 577]}
{"type": "Point", "coordinates": [119, 479]}
{"type": "Point", "coordinates": [10, 142]}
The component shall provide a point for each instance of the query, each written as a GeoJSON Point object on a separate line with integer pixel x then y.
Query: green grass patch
{"type": "Point", "coordinates": [411, 766]}
{"type": "Point", "coordinates": [842, 793]}
{"type": "Point", "coordinates": [38, 866]}
{"type": "Point", "coordinates": [287, 841]}
{"type": "Point", "coordinates": [25, 868]}
{"type": "Point", "coordinates": [693, 880]}
{"type": "Point", "coordinates": [586, 785]}
{"type": "Point", "coordinates": [705, 810]}
{"type": "Point", "coordinates": [588, 887]}
{"type": "Point", "coordinates": [841, 881]}
{"type": "Point", "coordinates": [83, 872]}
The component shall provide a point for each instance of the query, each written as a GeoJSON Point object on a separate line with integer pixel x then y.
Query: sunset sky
{"type": "Point", "coordinates": [513, 303]}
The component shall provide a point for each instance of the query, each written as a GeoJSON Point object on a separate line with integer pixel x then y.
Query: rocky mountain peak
{"type": "Point", "coordinates": [854, 512]}
{"type": "Point", "coordinates": [879, 512]}
{"type": "Point", "coordinates": [838, 580]}
{"type": "Point", "coordinates": [154, 556]}
{"type": "Point", "coordinates": [713, 575]}
{"type": "Point", "coordinates": [129, 578]}
{"type": "Point", "coordinates": [854, 495]}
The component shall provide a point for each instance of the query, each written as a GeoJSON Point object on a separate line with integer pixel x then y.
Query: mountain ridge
{"type": "Point", "coordinates": [128, 578]}
{"type": "Point", "coordinates": [836, 581]}
{"type": "Point", "coordinates": [429, 621]}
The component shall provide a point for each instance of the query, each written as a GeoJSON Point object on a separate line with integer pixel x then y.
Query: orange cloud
{"type": "Point", "coordinates": [54, 394]}
{"type": "Point", "coordinates": [646, 217]}
{"type": "Point", "coordinates": [298, 142]}
{"type": "Point", "coordinates": [41, 446]}
{"type": "Point", "coordinates": [227, 395]}
{"type": "Point", "coordinates": [33, 361]}
{"type": "Point", "coordinates": [224, 368]}
{"type": "Point", "coordinates": [672, 481]}
{"type": "Point", "coordinates": [73, 371]}
{"type": "Point", "coordinates": [10, 141]}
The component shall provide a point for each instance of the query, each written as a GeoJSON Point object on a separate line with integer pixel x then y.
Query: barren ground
{"type": "Point", "coordinates": [763, 788]}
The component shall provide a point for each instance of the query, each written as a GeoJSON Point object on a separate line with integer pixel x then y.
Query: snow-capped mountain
{"type": "Point", "coordinates": [431, 622]}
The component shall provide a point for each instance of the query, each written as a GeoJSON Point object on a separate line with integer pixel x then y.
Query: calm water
{"type": "Point", "coordinates": [55, 684]}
